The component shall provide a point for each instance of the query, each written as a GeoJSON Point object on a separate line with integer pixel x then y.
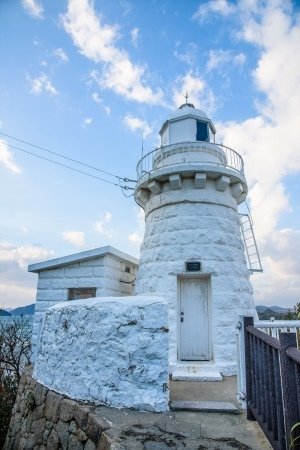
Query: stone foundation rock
{"type": "Point", "coordinates": [110, 350]}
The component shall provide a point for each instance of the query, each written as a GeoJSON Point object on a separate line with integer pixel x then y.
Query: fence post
{"type": "Point", "coordinates": [289, 388]}
{"type": "Point", "coordinates": [241, 373]}
{"type": "Point", "coordinates": [248, 321]}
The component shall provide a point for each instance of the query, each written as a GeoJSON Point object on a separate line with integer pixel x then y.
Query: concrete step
{"type": "Point", "coordinates": [184, 374]}
{"type": "Point", "coordinates": [214, 407]}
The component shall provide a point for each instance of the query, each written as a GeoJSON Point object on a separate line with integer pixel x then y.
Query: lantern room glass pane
{"type": "Point", "coordinates": [202, 131]}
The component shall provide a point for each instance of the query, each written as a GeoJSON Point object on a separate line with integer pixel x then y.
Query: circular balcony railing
{"type": "Point", "coordinates": [190, 153]}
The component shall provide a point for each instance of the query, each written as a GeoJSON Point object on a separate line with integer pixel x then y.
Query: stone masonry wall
{"type": "Point", "coordinates": [198, 224]}
{"type": "Point", "coordinates": [103, 273]}
{"type": "Point", "coordinates": [45, 420]}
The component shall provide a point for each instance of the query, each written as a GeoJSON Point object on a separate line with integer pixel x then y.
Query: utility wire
{"type": "Point", "coordinates": [71, 168]}
{"type": "Point", "coordinates": [126, 180]}
{"type": "Point", "coordinates": [124, 192]}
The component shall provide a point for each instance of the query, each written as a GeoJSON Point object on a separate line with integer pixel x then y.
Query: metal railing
{"type": "Point", "coordinates": [272, 328]}
{"type": "Point", "coordinates": [272, 381]}
{"type": "Point", "coordinates": [278, 326]}
{"type": "Point", "coordinates": [190, 152]}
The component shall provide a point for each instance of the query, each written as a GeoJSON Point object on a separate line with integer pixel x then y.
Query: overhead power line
{"type": "Point", "coordinates": [123, 187]}
{"type": "Point", "coordinates": [126, 180]}
{"type": "Point", "coordinates": [63, 165]}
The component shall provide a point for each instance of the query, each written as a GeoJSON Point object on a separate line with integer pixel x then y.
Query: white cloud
{"type": "Point", "coordinates": [22, 255]}
{"type": "Point", "coordinates": [281, 269]}
{"type": "Point", "coordinates": [97, 41]}
{"type": "Point", "coordinates": [239, 59]}
{"type": "Point", "coordinates": [101, 226]}
{"type": "Point", "coordinates": [134, 123]}
{"type": "Point", "coordinates": [126, 7]}
{"type": "Point", "coordinates": [222, 7]}
{"type": "Point", "coordinates": [76, 238]}
{"type": "Point", "coordinates": [218, 58]}
{"type": "Point", "coordinates": [136, 237]}
{"type": "Point", "coordinates": [42, 84]}
{"type": "Point", "coordinates": [189, 55]}
{"type": "Point", "coordinates": [134, 34]}
{"type": "Point", "coordinates": [34, 8]}
{"type": "Point", "coordinates": [269, 142]}
{"type": "Point", "coordinates": [17, 287]}
{"type": "Point", "coordinates": [87, 121]}
{"type": "Point", "coordinates": [96, 97]}
{"type": "Point", "coordinates": [60, 54]}
{"type": "Point", "coordinates": [6, 158]}
{"type": "Point", "coordinates": [14, 295]}
{"type": "Point", "coordinates": [199, 93]}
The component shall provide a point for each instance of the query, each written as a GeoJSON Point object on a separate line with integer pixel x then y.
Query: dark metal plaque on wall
{"type": "Point", "coordinates": [193, 266]}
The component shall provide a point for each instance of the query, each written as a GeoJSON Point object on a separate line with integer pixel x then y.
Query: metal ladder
{"type": "Point", "coordinates": [253, 259]}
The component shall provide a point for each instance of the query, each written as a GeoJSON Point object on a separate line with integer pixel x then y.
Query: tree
{"type": "Point", "coordinates": [15, 353]}
{"type": "Point", "coordinates": [293, 314]}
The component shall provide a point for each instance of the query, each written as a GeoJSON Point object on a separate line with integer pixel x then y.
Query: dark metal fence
{"type": "Point", "coordinates": [273, 383]}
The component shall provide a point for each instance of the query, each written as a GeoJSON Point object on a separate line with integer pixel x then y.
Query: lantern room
{"type": "Point", "coordinates": [187, 124]}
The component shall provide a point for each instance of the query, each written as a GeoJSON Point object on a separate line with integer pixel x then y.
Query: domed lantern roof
{"type": "Point", "coordinates": [187, 124]}
{"type": "Point", "coordinates": [188, 108]}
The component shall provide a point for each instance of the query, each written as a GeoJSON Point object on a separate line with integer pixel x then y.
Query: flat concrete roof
{"type": "Point", "coordinates": [82, 256]}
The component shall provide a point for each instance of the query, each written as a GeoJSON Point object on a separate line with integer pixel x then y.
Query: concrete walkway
{"type": "Point", "coordinates": [186, 430]}
{"type": "Point", "coordinates": [182, 430]}
{"type": "Point", "coordinates": [208, 391]}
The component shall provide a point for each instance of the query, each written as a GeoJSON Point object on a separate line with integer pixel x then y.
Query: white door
{"type": "Point", "coordinates": [193, 319]}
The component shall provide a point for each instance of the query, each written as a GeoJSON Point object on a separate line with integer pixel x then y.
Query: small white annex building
{"type": "Point", "coordinates": [101, 272]}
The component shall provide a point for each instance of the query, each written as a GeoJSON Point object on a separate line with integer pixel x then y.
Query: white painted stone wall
{"type": "Point", "coordinates": [111, 351]}
{"type": "Point", "coordinates": [198, 224]}
{"type": "Point", "coordinates": [102, 273]}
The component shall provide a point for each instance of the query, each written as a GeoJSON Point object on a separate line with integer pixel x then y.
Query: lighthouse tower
{"type": "Point", "coordinates": [192, 253]}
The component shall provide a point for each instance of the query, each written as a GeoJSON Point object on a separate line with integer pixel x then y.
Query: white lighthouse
{"type": "Point", "coordinates": [192, 253]}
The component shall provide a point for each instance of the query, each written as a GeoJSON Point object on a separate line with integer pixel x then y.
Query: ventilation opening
{"type": "Point", "coordinates": [77, 293]}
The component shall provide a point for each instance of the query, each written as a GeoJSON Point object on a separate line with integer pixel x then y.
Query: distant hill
{"type": "Point", "coordinates": [265, 312]}
{"type": "Point", "coordinates": [4, 313]}
{"type": "Point", "coordinates": [261, 308]}
{"type": "Point", "coordinates": [279, 309]}
{"type": "Point", "coordinates": [27, 310]}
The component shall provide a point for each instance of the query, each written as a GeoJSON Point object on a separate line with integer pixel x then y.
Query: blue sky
{"type": "Point", "coordinates": [87, 79]}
